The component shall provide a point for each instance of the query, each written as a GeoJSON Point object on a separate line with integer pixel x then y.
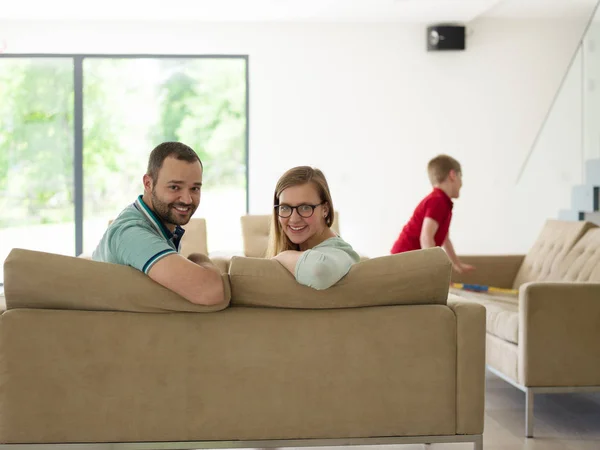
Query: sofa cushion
{"type": "Point", "coordinates": [194, 238]}
{"type": "Point", "coordinates": [255, 234]}
{"type": "Point", "coordinates": [502, 314]}
{"type": "Point", "coordinates": [48, 281]}
{"type": "Point", "coordinates": [420, 277]}
{"type": "Point", "coordinates": [498, 297]}
{"type": "Point", "coordinates": [582, 263]}
{"type": "Point", "coordinates": [555, 241]}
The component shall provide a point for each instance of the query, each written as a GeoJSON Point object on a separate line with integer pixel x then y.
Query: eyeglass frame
{"type": "Point", "coordinates": [276, 207]}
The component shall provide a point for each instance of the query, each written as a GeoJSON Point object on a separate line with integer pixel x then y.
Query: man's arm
{"type": "Point", "coordinates": [457, 265]}
{"type": "Point", "coordinates": [203, 261]}
{"type": "Point", "coordinates": [428, 230]}
{"type": "Point", "coordinates": [194, 282]}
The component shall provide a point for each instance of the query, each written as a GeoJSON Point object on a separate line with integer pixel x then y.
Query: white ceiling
{"type": "Point", "coordinates": [421, 11]}
{"type": "Point", "coordinates": [249, 10]}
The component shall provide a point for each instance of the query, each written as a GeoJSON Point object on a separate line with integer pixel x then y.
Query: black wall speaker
{"type": "Point", "coordinates": [445, 37]}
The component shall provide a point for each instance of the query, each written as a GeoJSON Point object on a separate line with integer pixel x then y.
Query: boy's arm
{"type": "Point", "coordinates": [457, 265]}
{"type": "Point", "coordinates": [428, 230]}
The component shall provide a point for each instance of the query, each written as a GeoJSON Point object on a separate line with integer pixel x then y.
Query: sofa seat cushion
{"type": "Point", "coordinates": [497, 297]}
{"type": "Point", "coordinates": [502, 313]}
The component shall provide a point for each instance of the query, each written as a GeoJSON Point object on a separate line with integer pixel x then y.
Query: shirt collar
{"type": "Point", "coordinates": [441, 193]}
{"type": "Point", "coordinates": [156, 222]}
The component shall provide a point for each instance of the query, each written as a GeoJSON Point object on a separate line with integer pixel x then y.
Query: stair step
{"type": "Point", "coordinates": [592, 217]}
{"type": "Point", "coordinates": [585, 198]}
{"type": "Point", "coordinates": [568, 214]}
{"type": "Point", "coordinates": [592, 172]}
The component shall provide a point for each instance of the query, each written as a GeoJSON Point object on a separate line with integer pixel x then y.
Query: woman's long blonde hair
{"type": "Point", "coordinates": [278, 240]}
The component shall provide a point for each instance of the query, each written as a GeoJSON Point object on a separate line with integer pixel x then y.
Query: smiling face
{"type": "Point", "coordinates": [175, 195]}
{"type": "Point", "coordinates": [304, 231]}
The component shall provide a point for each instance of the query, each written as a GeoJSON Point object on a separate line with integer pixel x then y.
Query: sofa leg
{"type": "Point", "coordinates": [529, 413]}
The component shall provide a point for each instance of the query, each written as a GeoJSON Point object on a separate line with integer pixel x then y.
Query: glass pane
{"type": "Point", "coordinates": [131, 105]}
{"type": "Point", "coordinates": [36, 155]}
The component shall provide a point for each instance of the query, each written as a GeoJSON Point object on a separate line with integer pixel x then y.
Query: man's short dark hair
{"type": "Point", "coordinates": [166, 150]}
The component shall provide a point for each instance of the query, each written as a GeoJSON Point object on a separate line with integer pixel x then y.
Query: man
{"type": "Point", "coordinates": [146, 235]}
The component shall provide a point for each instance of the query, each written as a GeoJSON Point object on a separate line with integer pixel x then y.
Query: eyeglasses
{"type": "Point", "coordinates": [303, 210]}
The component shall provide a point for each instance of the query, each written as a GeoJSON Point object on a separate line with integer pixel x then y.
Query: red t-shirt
{"type": "Point", "coordinates": [436, 205]}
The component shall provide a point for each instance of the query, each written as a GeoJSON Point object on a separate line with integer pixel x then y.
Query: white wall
{"type": "Point", "coordinates": [368, 105]}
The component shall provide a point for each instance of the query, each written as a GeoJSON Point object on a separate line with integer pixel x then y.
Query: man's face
{"type": "Point", "coordinates": [176, 193]}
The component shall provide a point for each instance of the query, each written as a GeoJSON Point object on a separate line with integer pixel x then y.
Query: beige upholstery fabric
{"type": "Point", "coordinates": [45, 280]}
{"type": "Point", "coordinates": [194, 239]}
{"type": "Point", "coordinates": [551, 247]}
{"type": "Point", "coordinates": [582, 263]}
{"type": "Point", "coordinates": [243, 373]}
{"type": "Point", "coordinates": [484, 296]}
{"type": "Point", "coordinates": [420, 277]}
{"type": "Point", "coordinates": [470, 368]}
{"type": "Point", "coordinates": [491, 270]}
{"type": "Point", "coordinates": [502, 317]}
{"type": "Point", "coordinates": [255, 233]}
{"type": "Point", "coordinates": [502, 356]}
{"type": "Point", "coordinates": [559, 334]}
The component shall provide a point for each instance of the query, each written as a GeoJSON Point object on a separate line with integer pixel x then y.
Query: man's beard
{"type": "Point", "coordinates": [165, 213]}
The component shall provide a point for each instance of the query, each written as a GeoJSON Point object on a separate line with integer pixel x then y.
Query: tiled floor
{"type": "Point", "coordinates": [562, 422]}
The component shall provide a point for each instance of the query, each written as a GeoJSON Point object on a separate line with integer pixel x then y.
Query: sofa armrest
{"type": "Point", "coordinates": [490, 270]}
{"type": "Point", "coordinates": [559, 334]}
{"type": "Point", "coordinates": [470, 366]}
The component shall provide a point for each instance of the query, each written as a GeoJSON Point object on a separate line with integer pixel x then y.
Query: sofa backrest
{"type": "Point", "coordinates": [582, 263]}
{"type": "Point", "coordinates": [411, 278]}
{"type": "Point", "coordinates": [41, 280]}
{"type": "Point", "coordinates": [255, 233]}
{"type": "Point", "coordinates": [552, 245]}
{"type": "Point", "coordinates": [194, 240]}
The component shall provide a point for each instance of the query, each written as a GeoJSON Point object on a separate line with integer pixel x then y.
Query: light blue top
{"type": "Point", "coordinates": [325, 264]}
{"type": "Point", "coordinates": [137, 238]}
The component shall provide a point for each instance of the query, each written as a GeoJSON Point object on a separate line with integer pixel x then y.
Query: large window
{"type": "Point", "coordinates": [76, 132]}
{"type": "Point", "coordinates": [36, 155]}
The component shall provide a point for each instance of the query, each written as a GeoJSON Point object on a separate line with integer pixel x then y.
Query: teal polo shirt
{"type": "Point", "coordinates": [137, 238]}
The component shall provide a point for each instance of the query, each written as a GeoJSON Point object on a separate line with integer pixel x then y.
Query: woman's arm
{"type": "Point", "coordinates": [323, 267]}
{"type": "Point", "coordinates": [289, 259]}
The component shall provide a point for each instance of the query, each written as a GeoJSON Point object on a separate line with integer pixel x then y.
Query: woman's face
{"type": "Point", "coordinates": [304, 222]}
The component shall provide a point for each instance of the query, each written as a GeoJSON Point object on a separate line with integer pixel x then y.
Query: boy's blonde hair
{"type": "Point", "coordinates": [278, 240]}
{"type": "Point", "coordinates": [439, 168]}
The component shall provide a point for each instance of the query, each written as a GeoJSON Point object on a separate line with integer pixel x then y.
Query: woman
{"type": "Point", "coordinates": [301, 238]}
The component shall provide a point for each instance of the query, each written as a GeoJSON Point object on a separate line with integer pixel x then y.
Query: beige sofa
{"type": "Point", "coordinates": [98, 353]}
{"type": "Point", "coordinates": [546, 340]}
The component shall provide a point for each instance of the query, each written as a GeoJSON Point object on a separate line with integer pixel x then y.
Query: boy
{"type": "Point", "coordinates": [430, 222]}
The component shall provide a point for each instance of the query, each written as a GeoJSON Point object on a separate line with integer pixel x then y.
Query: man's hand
{"type": "Point", "coordinates": [203, 261]}
{"type": "Point", "coordinates": [463, 268]}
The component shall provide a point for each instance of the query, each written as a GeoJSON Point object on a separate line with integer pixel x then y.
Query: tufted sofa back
{"type": "Point", "coordinates": [582, 263]}
{"type": "Point", "coordinates": [547, 256]}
